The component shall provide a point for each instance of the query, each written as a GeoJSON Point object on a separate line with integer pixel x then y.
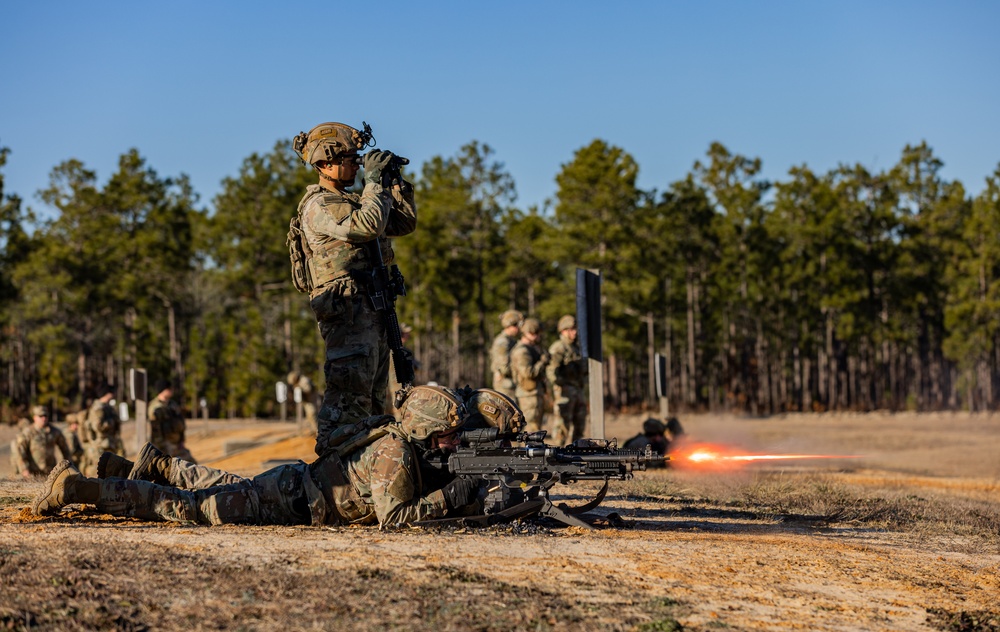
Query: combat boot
{"type": "Point", "coordinates": [151, 465]}
{"type": "Point", "coordinates": [64, 486]}
{"type": "Point", "coordinates": [110, 465]}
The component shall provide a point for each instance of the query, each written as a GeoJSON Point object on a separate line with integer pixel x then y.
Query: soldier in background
{"type": "Point", "coordinates": [33, 451]}
{"type": "Point", "coordinates": [658, 436]}
{"type": "Point", "coordinates": [342, 234]}
{"type": "Point", "coordinates": [101, 431]}
{"type": "Point", "coordinates": [527, 367]}
{"type": "Point", "coordinates": [567, 373]}
{"type": "Point", "coordinates": [500, 351]}
{"type": "Point", "coordinates": [167, 424]}
{"type": "Point", "coordinates": [72, 435]}
{"type": "Point", "coordinates": [308, 393]}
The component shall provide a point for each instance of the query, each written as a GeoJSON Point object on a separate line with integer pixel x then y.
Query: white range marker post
{"type": "Point", "coordinates": [137, 393]}
{"type": "Point", "coordinates": [281, 393]}
{"type": "Point", "coordinates": [588, 319]}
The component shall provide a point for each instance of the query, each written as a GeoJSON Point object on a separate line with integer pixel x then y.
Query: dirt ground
{"type": "Point", "coordinates": [904, 537]}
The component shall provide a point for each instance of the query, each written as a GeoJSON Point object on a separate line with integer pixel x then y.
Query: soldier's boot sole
{"type": "Point", "coordinates": [150, 465]}
{"type": "Point", "coordinates": [58, 490]}
{"type": "Point", "coordinates": [110, 465]}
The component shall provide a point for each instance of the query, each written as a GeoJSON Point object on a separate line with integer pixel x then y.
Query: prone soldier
{"type": "Point", "coordinates": [372, 476]}
{"type": "Point", "coordinates": [527, 367]}
{"type": "Point", "coordinates": [567, 373]}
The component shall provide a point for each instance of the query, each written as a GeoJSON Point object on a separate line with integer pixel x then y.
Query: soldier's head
{"type": "Point", "coordinates": [106, 393]}
{"type": "Point", "coordinates": [164, 389]}
{"type": "Point", "coordinates": [511, 321]}
{"type": "Point", "coordinates": [433, 414]}
{"type": "Point", "coordinates": [531, 330]}
{"type": "Point", "coordinates": [653, 428]}
{"type": "Point", "coordinates": [567, 327]}
{"type": "Point", "coordinates": [332, 150]}
{"type": "Point", "coordinates": [492, 409]}
{"type": "Point", "coordinates": [405, 331]}
{"type": "Point", "coordinates": [39, 416]}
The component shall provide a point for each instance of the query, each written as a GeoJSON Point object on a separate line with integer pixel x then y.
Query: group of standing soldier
{"type": "Point", "coordinates": [94, 431]}
{"type": "Point", "coordinates": [523, 369]}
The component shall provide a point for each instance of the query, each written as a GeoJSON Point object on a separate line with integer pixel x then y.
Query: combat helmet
{"type": "Point", "coordinates": [429, 409]}
{"type": "Point", "coordinates": [490, 408]}
{"type": "Point", "coordinates": [327, 141]}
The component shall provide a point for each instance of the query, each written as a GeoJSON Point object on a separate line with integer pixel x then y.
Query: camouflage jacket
{"type": "Point", "coordinates": [500, 359]}
{"type": "Point", "coordinates": [336, 225]}
{"type": "Point", "coordinates": [102, 426]}
{"type": "Point", "coordinates": [166, 422]}
{"type": "Point", "coordinates": [34, 449]}
{"type": "Point", "coordinates": [379, 483]}
{"type": "Point", "coordinates": [527, 367]}
{"type": "Point", "coordinates": [566, 366]}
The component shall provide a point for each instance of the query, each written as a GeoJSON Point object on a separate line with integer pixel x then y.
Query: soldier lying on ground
{"type": "Point", "coordinates": [379, 481]}
{"type": "Point", "coordinates": [657, 435]}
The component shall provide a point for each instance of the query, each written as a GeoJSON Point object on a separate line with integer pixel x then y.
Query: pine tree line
{"type": "Point", "coordinates": [847, 290]}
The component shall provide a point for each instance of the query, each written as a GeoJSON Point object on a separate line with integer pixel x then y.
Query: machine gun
{"type": "Point", "coordinates": [517, 479]}
{"type": "Point", "coordinates": [385, 285]}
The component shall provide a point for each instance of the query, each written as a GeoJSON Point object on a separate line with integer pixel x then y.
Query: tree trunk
{"type": "Point", "coordinates": [455, 365]}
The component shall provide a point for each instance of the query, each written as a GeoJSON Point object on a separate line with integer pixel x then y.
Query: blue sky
{"type": "Point", "coordinates": [199, 86]}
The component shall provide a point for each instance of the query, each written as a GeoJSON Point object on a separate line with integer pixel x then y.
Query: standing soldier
{"type": "Point", "coordinates": [567, 374]}
{"type": "Point", "coordinates": [72, 435]}
{"type": "Point", "coordinates": [305, 386]}
{"type": "Point", "coordinates": [343, 235]}
{"type": "Point", "coordinates": [166, 421]}
{"type": "Point", "coordinates": [527, 366]}
{"type": "Point", "coordinates": [33, 451]}
{"type": "Point", "coordinates": [101, 432]}
{"type": "Point", "coordinates": [500, 351]}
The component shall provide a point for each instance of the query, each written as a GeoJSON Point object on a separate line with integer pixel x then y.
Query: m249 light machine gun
{"type": "Point", "coordinates": [517, 479]}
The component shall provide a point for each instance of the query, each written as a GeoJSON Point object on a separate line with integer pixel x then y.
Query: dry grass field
{"type": "Point", "coordinates": [904, 537]}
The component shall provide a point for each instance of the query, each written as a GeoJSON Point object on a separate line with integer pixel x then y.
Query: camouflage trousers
{"type": "Point", "coordinates": [356, 367]}
{"type": "Point", "coordinates": [277, 496]}
{"type": "Point", "coordinates": [504, 385]}
{"type": "Point", "coordinates": [569, 415]}
{"type": "Point", "coordinates": [532, 405]}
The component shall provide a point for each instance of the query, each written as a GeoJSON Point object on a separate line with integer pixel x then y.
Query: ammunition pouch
{"type": "Point", "coordinates": [343, 503]}
{"type": "Point", "coordinates": [334, 304]}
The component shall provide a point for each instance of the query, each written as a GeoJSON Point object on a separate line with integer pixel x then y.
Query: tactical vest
{"type": "Point", "coordinates": [334, 259]}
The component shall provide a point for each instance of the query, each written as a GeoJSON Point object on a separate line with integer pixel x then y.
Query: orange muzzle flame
{"type": "Point", "coordinates": [718, 456]}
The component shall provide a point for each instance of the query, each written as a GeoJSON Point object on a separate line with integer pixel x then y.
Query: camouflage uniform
{"type": "Point", "coordinates": [566, 372]}
{"type": "Point", "coordinates": [101, 432]}
{"type": "Point", "coordinates": [527, 366]}
{"type": "Point", "coordinates": [500, 363]}
{"type": "Point", "coordinates": [73, 438]}
{"type": "Point", "coordinates": [167, 428]}
{"type": "Point", "coordinates": [34, 449]}
{"type": "Point", "coordinates": [379, 483]}
{"type": "Point", "coordinates": [340, 228]}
